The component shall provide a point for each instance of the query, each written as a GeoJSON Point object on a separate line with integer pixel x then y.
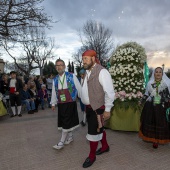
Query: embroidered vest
{"type": "Point", "coordinates": [95, 89]}
{"type": "Point", "coordinates": [70, 85]}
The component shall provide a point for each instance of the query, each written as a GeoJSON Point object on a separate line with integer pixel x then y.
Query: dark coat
{"type": "Point", "coordinates": [4, 87]}
{"type": "Point", "coordinates": [19, 85]}
{"type": "Point", "coordinates": [41, 94]}
{"type": "Point", "coordinates": [25, 95]}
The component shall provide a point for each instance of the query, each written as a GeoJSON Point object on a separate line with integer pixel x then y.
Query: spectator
{"type": "Point", "coordinates": [43, 96]}
{"type": "Point", "coordinates": [82, 106]}
{"type": "Point", "coordinates": [49, 87]}
{"type": "Point", "coordinates": [27, 100]}
{"type": "Point", "coordinates": [34, 95]}
{"type": "Point", "coordinates": [4, 86]}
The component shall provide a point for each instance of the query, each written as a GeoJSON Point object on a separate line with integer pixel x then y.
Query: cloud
{"type": "Point", "coordinates": [159, 58]}
{"type": "Point", "coordinates": [146, 21]}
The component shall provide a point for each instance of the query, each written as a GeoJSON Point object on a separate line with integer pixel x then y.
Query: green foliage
{"type": "Point", "coordinates": [49, 69]}
{"type": "Point", "coordinates": [69, 67]}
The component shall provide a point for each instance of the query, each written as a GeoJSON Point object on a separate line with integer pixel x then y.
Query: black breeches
{"type": "Point", "coordinates": [15, 99]}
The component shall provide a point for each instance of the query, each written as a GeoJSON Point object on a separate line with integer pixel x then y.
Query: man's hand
{"type": "Point", "coordinates": [16, 93]}
{"type": "Point", "coordinates": [53, 108]}
{"type": "Point", "coordinates": [106, 115]}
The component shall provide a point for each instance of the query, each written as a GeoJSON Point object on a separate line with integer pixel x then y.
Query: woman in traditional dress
{"type": "Point", "coordinates": [155, 127]}
{"type": "Point", "coordinates": [3, 110]}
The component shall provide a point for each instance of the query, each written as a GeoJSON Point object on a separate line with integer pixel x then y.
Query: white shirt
{"type": "Point", "coordinates": [53, 95]}
{"type": "Point", "coordinates": [107, 84]}
{"type": "Point", "coordinates": [12, 83]}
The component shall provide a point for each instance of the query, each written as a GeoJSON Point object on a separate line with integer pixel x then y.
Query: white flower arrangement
{"type": "Point", "coordinates": [127, 72]}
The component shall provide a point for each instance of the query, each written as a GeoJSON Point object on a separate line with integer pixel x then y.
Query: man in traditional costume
{"type": "Point", "coordinates": [15, 87]}
{"type": "Point", "coordinates": [64, 92]}
{"type": "Point", "coordinates": [98, 96]}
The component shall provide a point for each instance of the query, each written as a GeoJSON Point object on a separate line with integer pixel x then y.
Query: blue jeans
{"type": "Point", "coordinates": [42, 101]}
{"type": "Point", "coordinates": [29, 104]}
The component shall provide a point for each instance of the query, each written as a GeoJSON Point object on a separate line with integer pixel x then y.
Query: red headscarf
{"type": "Point", "coordinates": [91, 53]}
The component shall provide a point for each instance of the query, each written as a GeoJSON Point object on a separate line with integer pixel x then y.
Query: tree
{"type": "Point", "coordinates": [69, 67]}
{"type": "Point", "coordinates": [77, 57]}
{"type": "Point", "coordinates": [97, 37]}
{"type": "Point", "coordinates": [35, 50]}
{"type": "Point", "coordinates": [72, 67]}
{"type": "Point", "coordinates": [42, 47]}
{"type": "Point", "coordinates": [18, 14]}
{"type": "Point", "coordinates": [49, 69]}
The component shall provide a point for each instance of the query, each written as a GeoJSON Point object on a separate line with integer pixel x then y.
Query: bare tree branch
{"type": "Point", "coordinates": [96, 36]}
{"type": "Point", "coordinates": [16, 14]}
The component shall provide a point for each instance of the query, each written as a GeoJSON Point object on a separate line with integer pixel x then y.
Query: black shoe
{"type": "Point", "coordinates": [99, 151]}
{"type": "Point", "coordinates": [35, 110]}
{"type": "Point", "coordinates": [42, 108]}
{"type": "Point", "coordinates": [82, 123]}
{"type": "Point", "coordinates": [30, 112]}
{"type": "Point", "coordinates": [49, 106]}
{"type": "Point", "coordinates": [12, 115]}
{"type": "Point", "coordinates": [20, 115]}
{"type": "Point", "coordinates": [88, 162]}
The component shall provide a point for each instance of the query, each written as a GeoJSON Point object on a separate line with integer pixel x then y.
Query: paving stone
{"type": "Point", "coordinates": [26, 144]}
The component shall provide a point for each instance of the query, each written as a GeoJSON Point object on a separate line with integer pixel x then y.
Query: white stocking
{"type": "Point", "coordinates": [13, 110]}
{"type": "Point", "coordinates": [19, 109]}
{"type": "Point", "coordinates": [63, 137]}
{"type": "Point", "coordinates": [84, 117]}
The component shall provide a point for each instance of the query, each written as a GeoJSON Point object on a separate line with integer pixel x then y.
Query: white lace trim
{"type": "Point", "coordinates": [94, 138]}
{"type": "Point", "coordinates": [68, 130]}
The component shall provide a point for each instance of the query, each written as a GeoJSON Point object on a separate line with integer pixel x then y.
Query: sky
{"type": "Point", "coordinates": [146, 22]}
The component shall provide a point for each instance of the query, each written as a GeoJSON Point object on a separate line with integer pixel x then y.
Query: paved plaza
{"type": "Point", "coordinates": [26, 144]}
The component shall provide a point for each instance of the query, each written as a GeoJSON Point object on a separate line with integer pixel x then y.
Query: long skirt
{"type": "Point", "coordinates": [3, 110]}
{"type": "Point", "coordinates": [67, 116]}
{"type": "Point", "coordinates": [154, 126]}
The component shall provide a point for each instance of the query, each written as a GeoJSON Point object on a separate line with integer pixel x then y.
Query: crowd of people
{"type": "Point", "coordinates": [32, 92]}
{"type": "Point", "coordinates": [95, 90]}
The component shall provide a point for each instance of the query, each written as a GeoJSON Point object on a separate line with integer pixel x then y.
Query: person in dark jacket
{"type": "Point", "coordinates": [15, 87]}
{"type": "Point", "coordinates": [34, 95]}
{"type": "Point", "coordinates": [43, 95]}
{"type": "Point", "coordinates": [4, 86]}
{"type": "Point", "coordinates": [27, 100]}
